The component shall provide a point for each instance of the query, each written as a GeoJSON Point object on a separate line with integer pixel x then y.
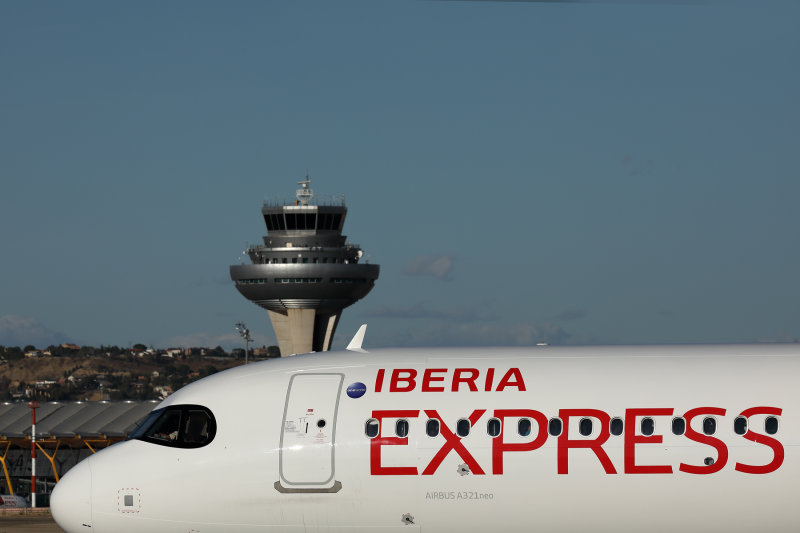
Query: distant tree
{"type": "Point", "coordinates": [113, 350]}
{"type": "Point", "coordinates": [14, 353]}
{"type": "Point", "coordinates": [139, 347]}
{"type": "Point", "coordinates": [217, 351]}
{"type": "Point", "coordinates": [273, 351]}
{"type": "Point", "coordinates": [58, 394]}
{"type": "Point", "coordinates": [176, 382]}
{"type": "Point", "coordinates": [208, 370]}
{"type": "Point", "coordinates": [182, 369]}
{"type": "Point", "coordinates": [86, 351]}
{"type": "Point", "coordinates": [29, 348]}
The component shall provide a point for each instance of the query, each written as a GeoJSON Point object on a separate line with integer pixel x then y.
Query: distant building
{"type": "Point", "coordinates": [267, 351]}
{"type": "Point", "coordinates": [163, 391]}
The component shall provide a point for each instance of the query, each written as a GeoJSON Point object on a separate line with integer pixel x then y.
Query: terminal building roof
{"type": "Point", "coordinates": [73, 420]}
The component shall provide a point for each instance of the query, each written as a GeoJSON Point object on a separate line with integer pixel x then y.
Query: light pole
{"type": "Point", "coordinates": [33, 405]}
{"type": "Point", "coordinates": [245, 333]}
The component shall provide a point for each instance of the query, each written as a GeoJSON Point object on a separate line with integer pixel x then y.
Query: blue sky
{"type": "Point", "coordinates": [522, 172]}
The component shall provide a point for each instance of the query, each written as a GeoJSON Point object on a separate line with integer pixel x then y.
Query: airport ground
{"type": "Point", "coordinates": [28, 523]}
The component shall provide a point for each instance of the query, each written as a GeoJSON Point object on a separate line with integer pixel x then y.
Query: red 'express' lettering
{"type": "Point", "coordinates": [777, 447]}
{"type": "Point", "coordinates": [632, 439]}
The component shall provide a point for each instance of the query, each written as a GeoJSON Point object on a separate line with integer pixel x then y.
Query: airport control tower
{"type": "Point", "coordinates": [305, 273]}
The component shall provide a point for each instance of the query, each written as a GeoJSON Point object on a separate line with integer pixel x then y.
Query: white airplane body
{"type": "Point", "coordinates": [292, 448]}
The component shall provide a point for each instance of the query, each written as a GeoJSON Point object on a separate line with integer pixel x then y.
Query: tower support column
{"type": "Point", "coordinates": [304, 330]}
{"type": "Point", "coordinates": [324, 330]}
{"type": "Point", "coordinates": [294, 330]}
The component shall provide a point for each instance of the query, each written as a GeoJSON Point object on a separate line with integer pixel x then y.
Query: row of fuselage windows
{"type": "Point", "coordinates": [262, 281]}
{"type": "Point", "coordinates": [647, 426]}
{"type": "Point", "coordinates": [295, 221]}
{"type": "Point", "coordinates": [305, 260]}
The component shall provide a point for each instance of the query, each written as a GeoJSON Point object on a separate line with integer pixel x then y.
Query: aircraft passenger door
{"type": "Point", "coordinates": [308, 434]}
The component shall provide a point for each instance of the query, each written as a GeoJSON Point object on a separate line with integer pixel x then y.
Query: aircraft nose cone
{"type": "Point", "coordinates": [71, 500]}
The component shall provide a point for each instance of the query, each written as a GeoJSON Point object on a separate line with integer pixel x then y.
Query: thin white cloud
{"type": "Point", "coordinates": [21, 331]}
{"type": "Point", "coordinates": [440, 266]}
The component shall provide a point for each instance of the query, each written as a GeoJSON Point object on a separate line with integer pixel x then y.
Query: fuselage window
{"type": "Point", "coordinates": [678, 425]}
{"type": "Point", "coordinates": [554, 427]}
{"type": "Point", "coordinates": [524, 427]}
{"type": "Point", "coordinates": [493, 427]}
{"type": "Point", "coordinates": [709, 425]}
{"type": "Point", "coordinates": [401, 428]}
{"type": "Point", "coordinates": [432, 427]}
{"type": "Point", "coordinates": [616, 426]}
{"type": "Point", "coordinates": [372, 428]}
{"type": "Point", "coordinates": [648, 426]}
{"type": "Point", "coordinates": [178, 426]}
{"type": "Point", "coordinates": [740, 425]}
{"type": "Point", "coordinates": [771, 425]}
{"type": "Point", "coordinates": [585, 427]}
{"type": "Point", "coordinates": [463, 427]}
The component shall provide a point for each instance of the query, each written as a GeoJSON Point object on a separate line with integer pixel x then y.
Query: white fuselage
{"type": "Point", "coordinates": [272, 465]}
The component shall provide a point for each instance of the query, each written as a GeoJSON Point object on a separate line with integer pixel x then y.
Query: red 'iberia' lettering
{"type": "Point", "coordinates": [428, 380]}
{"type": "Point", "coordinates": [403, 380]}
{"type": "Point", "coordinates": [462, 379]}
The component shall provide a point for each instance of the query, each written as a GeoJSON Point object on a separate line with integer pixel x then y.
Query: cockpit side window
{"type": "Point", "coordinates": [196, 426]}
{"type": "Point", "coordinates": [167, 427]}
{"type": "Point", "coordinates": [178, 426]}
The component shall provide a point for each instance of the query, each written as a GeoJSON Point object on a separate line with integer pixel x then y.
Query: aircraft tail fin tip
{"type": "Point", "coordinates": [358, 340]}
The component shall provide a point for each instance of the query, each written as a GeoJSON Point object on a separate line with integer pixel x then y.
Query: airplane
{"type": "Point", "coordinates": [543, 438]}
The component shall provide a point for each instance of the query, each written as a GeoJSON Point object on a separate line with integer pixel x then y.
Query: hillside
{"type": "Point", "coordinates": [119, 377]}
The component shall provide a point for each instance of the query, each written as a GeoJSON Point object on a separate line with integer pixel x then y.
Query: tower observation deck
{"type": "Point", "coordinates": [305, 273]}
